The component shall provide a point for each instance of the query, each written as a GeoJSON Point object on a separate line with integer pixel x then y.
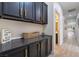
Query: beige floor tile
{"type": "Point", "coordinates": [60, 52]}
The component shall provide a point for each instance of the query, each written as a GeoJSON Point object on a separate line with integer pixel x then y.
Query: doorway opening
{"type": "Point", "coordinates": [57, 28]}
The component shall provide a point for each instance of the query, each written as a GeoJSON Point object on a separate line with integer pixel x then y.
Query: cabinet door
{"type": "Point", "coordinates": [45, 13]}
{"type": "Point", "coordinates": [0, 8]}
{"type": "Point", "coordinates": [43, 48]}
{"type": "Point", "coordinates": [17, 53]}
{"type": "Point", "coordinates": [14, 53]}
{"type": "Point", "coordinates": [11, 9]}
{"type": "Point", "coordinates": [33, 50]}
{"type": "Point", "coordinates": [39, 12]}
{"type": "Point", "coordinates": [29, 11]}
{"type": "Point", "coordinates": [49, 45]}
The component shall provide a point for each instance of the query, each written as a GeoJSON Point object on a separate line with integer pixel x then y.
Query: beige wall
{"type": "Point", "coordinates": [49, 26]}
{"type": "Point", "coordinates": [17, 27]}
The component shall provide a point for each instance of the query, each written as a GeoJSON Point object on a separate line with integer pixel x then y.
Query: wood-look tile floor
{"type": "Point", "coordinates": [60, 52]}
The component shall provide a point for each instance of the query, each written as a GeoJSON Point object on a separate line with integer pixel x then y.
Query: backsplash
{"type": "Point", "coordinates": [17, 27]}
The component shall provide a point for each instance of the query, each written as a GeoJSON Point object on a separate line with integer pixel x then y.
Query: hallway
{"type": "Point", "coordinates": [68, 29]}
{"type": "Point", "coordinates": [61, 52]}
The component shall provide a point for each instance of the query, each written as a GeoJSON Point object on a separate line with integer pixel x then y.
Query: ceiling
{"type": "Point", "coordinates": [68, 6]}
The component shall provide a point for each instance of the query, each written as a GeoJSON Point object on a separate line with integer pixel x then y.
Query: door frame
{"type": "Point", "coordinates": [57, 30]}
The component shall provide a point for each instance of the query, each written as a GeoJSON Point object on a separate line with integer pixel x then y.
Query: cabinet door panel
{"type": "Point", "coordinates": [43, 48]}
{"type": "Point", "coordinates": [20, 53]}
{"type": "Point", "coordinates": [49, 45]}
{"type": "Point", "coordinates": [11, 8]}
{"type": "Point", "coordinates": [38, 11]}
{"type": "Point", "coordinates": [34, 12]}
{"type": "Point", "coordinates": [33, 51]}
{"type": "Point", "coordinates": [0, 8]}
{"type": "Point", "coordinates": [44, 13]}
{"type": "Point", "coordinates": [29, 9]}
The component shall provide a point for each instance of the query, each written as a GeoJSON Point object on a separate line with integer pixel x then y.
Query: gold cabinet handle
{"type": "Point", "coordinates": [21, 11]}
{"type": "Point", "coordinates": [25, 12]}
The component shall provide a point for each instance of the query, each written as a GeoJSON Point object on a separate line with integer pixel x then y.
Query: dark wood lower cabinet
{"type": "Point", "coordinates": [20, 53]}
{"type": "Point", "coordinates": [33, 50]}
{"type": "Point", "coordinates": [43, 48]}
{"type": "Point", "coordinates": [14, 53]}
{"type": "Point", "coordinates": [49, 46]}
{"type": "Point", "coordinates": [40, 48]}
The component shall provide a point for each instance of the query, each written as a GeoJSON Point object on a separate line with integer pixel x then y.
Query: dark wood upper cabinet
{"type": "Point", "coordinates": [0, 8]}
{"type": "Point", "coordinates": [35, 12]}
{"type": "Point", "coordinates": [11, 9]}
{"type": "Point", "coordinates": [29, 11]}
{"type": "Point", "coordinates": [45, 7]}
{"type": "Point", "coordinates": [39, 12]}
